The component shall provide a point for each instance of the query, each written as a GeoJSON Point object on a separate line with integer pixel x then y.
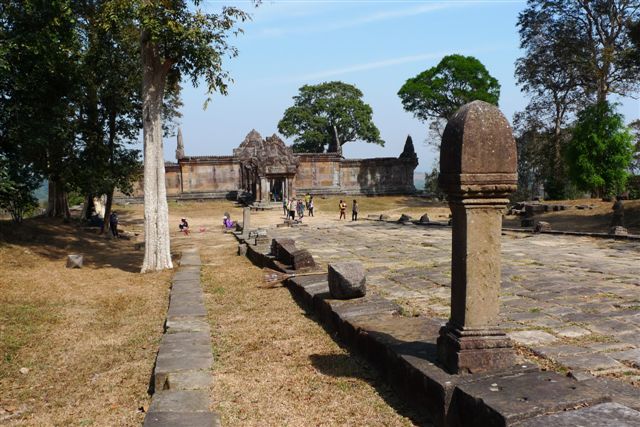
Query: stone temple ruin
{"type": "Point", "coordinates": [265, 169]}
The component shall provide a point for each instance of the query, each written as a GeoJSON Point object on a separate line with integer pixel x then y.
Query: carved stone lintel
{"type": "Point", "coordinates": [464, 351]}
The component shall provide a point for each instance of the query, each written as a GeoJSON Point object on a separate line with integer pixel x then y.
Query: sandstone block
{"type": "Point", "coordinates": [347, 280]}
{"type": "Point", "coordinates": [424, 219]}
{"type": "Point", "coordinates": [74, 261]}
{"type": "Point", "coordinates": [542, 226]}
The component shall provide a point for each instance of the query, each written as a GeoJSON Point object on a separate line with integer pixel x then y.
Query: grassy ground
{"type": "Point", "coordinates": [275, 365]}
{"type": "Point", "coordinates": [77, 346]}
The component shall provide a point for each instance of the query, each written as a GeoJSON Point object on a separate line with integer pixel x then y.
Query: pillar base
{"type": "Point", "coordinates": [470, 351]}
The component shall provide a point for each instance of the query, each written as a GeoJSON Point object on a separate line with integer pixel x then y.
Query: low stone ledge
{"type": "Point", "coordinates": [182, 375]}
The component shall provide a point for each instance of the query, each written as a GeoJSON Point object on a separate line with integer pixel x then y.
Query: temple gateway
{"type": "Point", "coordinates": [265, 169]}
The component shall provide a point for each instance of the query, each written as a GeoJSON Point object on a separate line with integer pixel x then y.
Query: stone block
{"type": "Point", "coordinates": [384, 217]}
{"type": "Point", "coordinates": [527, 222]}
{"type": "Point", "coordinates": [242, 249]}
{"type": "Point", "coordinates": [189, 380]}
{"type": "Point", "coordinates": [531, 337]}
{"type": "Point", "coordinates": [302, 259]}
{"type": "Point", "coordinates": [604, 414]}
{"type": "Point", "coordinates": [74, 261]}
{"type": "Point", "coordinates": [503, 400]}
{"type": "Point", "coordinates": [180, 401]}
{"type": "Point", "coordinates": [347, 280]}
{"type": "Point", "coordinates": [404, 218]}
{"type": "Point", "coordinates": [542, 226]}
{"type": "Point", "coordinates": [618, 231]}
{"type": "Point", "coordinates": [629, 357]}
{"type": "Point", "coordinates": [424, 219]}
{"type": "Point", "coordinates": [282, 249]}
{"type": "Point", "coordinates": [181, 419]}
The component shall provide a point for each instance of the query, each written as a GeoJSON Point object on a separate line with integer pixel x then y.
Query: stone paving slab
{"type": "Point", "coordinates": [602, 415]}
{"type": "Point", "coordinates": [579, 290]}
{"type": "Point", "coordinates": [511, 398]}
{"type": "Point", "coordinates": [178, 419]}
{"type": "Point", "coordinates": [180, 401]}
{"type": "Point", "coordinates": [182, 374]}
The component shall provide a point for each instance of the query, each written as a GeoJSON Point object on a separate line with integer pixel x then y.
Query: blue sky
{"type": "Point", "coordinates": [375, 45]}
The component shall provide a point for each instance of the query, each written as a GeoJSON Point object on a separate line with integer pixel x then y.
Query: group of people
{"type": "Point", "coordinates": [292, 207]}
{"type": "Point", "coordinates": [354, 210]}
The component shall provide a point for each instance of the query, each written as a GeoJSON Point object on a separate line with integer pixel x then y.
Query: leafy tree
{"type": "Point", "coordinates": [600, 150]}
{"type": "Point", "coordinates": [435, 94]}
{"type": "Point", "coordinates": [17, 184]}
{"type": "Point", "coordinates": [635, 163]}
{"type": "Point", "coordinates": [326, 114]}
{"type": "Point", "coordinates": [176, 42]}
{"type": "Point", "coordinates": [595, 36]}
{"type": "Point", "coordinates": [38, 91]}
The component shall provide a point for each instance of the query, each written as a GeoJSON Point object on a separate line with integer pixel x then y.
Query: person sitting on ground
{"type": "Point", "coordinates": [343, 209]}
{"type": "Point", "coordinates": [184, 226]}
{"type": "Point", "coordinates": [113, 224]}
{"type": "Point", "coordinates": [227, 222]}
{"type": "Point", "coordinates": [354, 210]}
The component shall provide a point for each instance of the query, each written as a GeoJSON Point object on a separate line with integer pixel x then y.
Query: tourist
{"type": "Point", "coordinates": [113, 224]}
{"type": "Point", "coordinates": [618, 213]}
{"type": "Point", "coordinates": [307, 198]}
{"type": "Point", "coordinates": [285, 207]}
{"type": "Point", "coordinates": [300, 209]}
{"type": "Point", "coordinates": [292, 209]}
{"type": "Point", "coordinates": [343, 209]}
{"type": "Point", "coordinates": [227, 222]}
{"type": "Point", "coordinates": [310, 207]}
{"type": "Point", "coordinates": [354, 210]}
{"type": "Point", "coordinates": [184, 226]}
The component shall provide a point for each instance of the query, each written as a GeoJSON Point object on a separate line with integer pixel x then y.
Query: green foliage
{"type": "Point", "coordinates": [600, 150]}
{"type": "Point", "coordinates": [436, 94]}
{"type": "Point", "coordinates": [431, 186]}
{"type": "Point", "coordinates": [17, 184]}
{"type": "Point", "coordinates": [318, 108]}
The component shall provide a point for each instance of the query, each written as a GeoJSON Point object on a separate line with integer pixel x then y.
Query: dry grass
{"type": "Point", "coordinates": [88, 336]}
{"type": "Point", "coordinates": [275, 365]}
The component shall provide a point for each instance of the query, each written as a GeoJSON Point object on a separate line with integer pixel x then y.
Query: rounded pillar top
{"type": "Point", "coordinates": [478, 154]}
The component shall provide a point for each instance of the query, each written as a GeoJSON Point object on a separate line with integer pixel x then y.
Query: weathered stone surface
{"type": "Point", "coordinates": [181, 419]}
{"type": "Point", "coordinates": [384, 217]}
{"type": "Point", "coordinates": [532, 337]}
{"type": "Point", "coordinates": [424, 219]}
{"type": "Point", "coordinates": [618, 231]}
{"type": "Point", "coordinates": [604, 414]}
{"type": "Point", "coordinates": [302, 259]}
{"type": "Point", "coordinates": [189, 380]}
{"type": "Point", "coordinates": [629, 357]}
{"type": "Point", "coordinates": [187, 325]}
{"type": "Point", "coordinates": [478, 172]}
{"type": "Point", "coordinates": [282, 249]}
{"type": "Point", "coordinates": [404, 218]}
{"type": "Point", "coordinates": [347, 280]}
{"type": "Point", "coordinates": [180, 401]}
{"type": "Point", "coordinates": [542, 226]}
{"type": "Point", "coordinates": [527, 222]}
{"type": "Point", "coordinates": [504, 400]}
{"type": "Point", "coordinates": [74, 261]}
{"type": "Point", "coordinates": [242, 249]}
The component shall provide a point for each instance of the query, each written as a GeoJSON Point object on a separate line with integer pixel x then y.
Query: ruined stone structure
{"type": "Point", "coordinates": [266, 169]}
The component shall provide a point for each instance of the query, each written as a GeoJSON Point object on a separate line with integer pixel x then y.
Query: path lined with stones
{"type": "Point", "coordinates": [573, 300]}
{"type": "Point", "coordinates": [182, 375]}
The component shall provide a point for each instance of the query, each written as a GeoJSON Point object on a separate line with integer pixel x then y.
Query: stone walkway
{"type": "Point", "coordinates": [572, 300]}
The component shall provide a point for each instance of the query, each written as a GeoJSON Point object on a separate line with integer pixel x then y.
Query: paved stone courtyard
{"type": "Point", "coordinates": [574, 301]}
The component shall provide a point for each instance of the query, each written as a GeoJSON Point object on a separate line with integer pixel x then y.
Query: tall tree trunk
{"type": "Point", "coordinates": [157, 251]}
{"type": "Point", "coordinates": [107, 212]}
{"type": "Point", "coordinates": [58, 201]}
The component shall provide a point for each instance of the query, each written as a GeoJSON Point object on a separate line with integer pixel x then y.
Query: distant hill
{"type": "Point", "coordinates": [418, 180]}
{"type": "Point", "coordinates": [42, 193]}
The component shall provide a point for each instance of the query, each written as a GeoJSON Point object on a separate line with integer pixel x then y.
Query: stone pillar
{"type": "Point", "coordinates": [478, 172]}
{"type": "Point", "coordinates": [246, 221]}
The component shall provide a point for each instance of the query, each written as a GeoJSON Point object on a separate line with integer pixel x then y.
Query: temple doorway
{"type": "Point", "coordinates": [277, 186]}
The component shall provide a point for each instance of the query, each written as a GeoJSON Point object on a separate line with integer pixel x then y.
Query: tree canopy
{"type": "Point", "coordinates": [435, 94]}
{"type": "Point", "coordinates": [319, 108]}
{"type": "Point", "coordinates": [600, 150]}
